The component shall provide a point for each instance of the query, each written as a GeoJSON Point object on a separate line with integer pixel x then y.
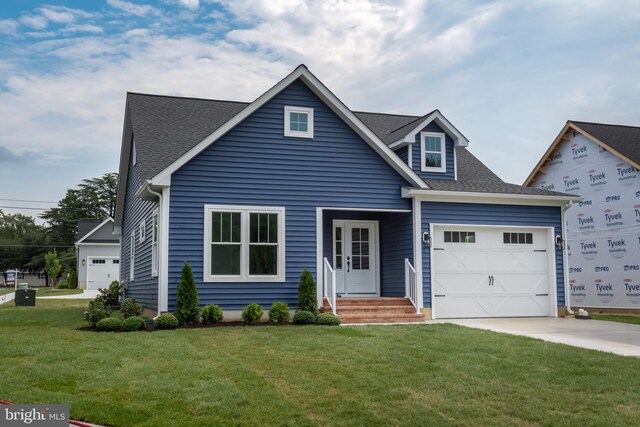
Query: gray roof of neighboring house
{"type": "Point", "coordinates": [624, 139]}
{"type": "Point", "coordinates": [102, 235]}
{"type": "Point", "coordinates": [166, 127]}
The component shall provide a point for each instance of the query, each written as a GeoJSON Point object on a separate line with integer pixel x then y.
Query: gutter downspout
{"type": "Point", "coordinates": [159, 196]}
{"type": "Point", "coordinates": [567, 290]}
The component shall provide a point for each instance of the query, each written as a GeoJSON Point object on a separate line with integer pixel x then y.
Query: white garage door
{"type": "Point", "coordinates": [491, 272]}
{"type": "Point", "coordinates": [102, 271]}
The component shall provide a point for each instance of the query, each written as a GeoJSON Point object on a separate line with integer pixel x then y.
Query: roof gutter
{"type": "Point", "coordinates": [464, 196]}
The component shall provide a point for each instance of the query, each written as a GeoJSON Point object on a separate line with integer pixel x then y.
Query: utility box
{"type": "Point", "coordinates": [25, 297]}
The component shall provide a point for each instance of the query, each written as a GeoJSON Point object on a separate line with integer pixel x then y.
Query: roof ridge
{"type": "Point", "coordinates": [605, 124]}
{"type": "Point", "coordinates": [386, 114]}
{"type": "Point", "coordinates": [186, 97]}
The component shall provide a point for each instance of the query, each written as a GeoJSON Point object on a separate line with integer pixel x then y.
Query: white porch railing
{"type": "Point", "coordinates": [411, 284]}
{"type": "Point", "coordinates": [329, 285]}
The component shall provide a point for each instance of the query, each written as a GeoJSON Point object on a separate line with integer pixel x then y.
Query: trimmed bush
{"type": "Point", "coordinates": [166, 321]}
{"type": "Point", "coordinates": [304, 318]}
{"type": "Point", "coordinates": [187, 305]}
{"type": "Point", "coordinates": [134, 323]}
{"type": "Point", "coordinates": [307, 293]}
{"type": "Point", "coordinates": [130, 307]}
{"type": "Point", "coordinates": [212, 313]}
{"type": "Point", "coordinates": [252, 313]}
{"type": "Point", "coordinates": [109, 324]}
{"type": "Point", "coordinates": [327, 319]}
{"type": "Point", "coordinates": [110, 297]}
{"type": "Point", "coordinates": [72, 280]}
{"type": "Point", "coordinates": [95, 312]}
{"type": "Point", "coordinates": [279, 312]}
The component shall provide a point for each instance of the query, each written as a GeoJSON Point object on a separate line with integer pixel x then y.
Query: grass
{"type": "Point", "coordinates": [48, 292]}
{"type": "Point", "coordinates": [308, 376]}
{"type": "Point", "coordinates": [617, 318]}
{"type": "Point", "coordinates": [4, 291]}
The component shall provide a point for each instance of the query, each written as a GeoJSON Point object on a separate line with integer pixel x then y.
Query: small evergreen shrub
{"type": "Point", "coordinates": [130, 307]}
{"type": "Point", "coordinates": [212, 313]}
{"type": "Point", "coordinates": [252, 313]}
{"type": "Point", "coordinates": [110, 297]}
{"type": "Point", "coordinates": [109, 324]}
{"type": "Point", "coordinates": [187, 305]}
{"type": "Point", "coordinates": [304, 318]}
{"type": "Point", "coordinates": [166, 321]}
{"type": "Point", "coordinates": [134, 323]}
{"type": "Point", "coordinates": [327, 319]}
{"type": "Point", "coordinates": [72, 280]}
{"type": "Point", "coordinates": [95, 312]}
{"type": "Point", "coordinates": [307, 293]}
{"type": "Point", "coordinates": [279, 312]}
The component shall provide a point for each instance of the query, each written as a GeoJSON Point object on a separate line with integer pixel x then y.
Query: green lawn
{"type": "Point", "coordinates": [395, 375]}
{"type": "Point", "coordinates": [4, 291]}
{"type": "Point", "coordinates": [617, 318]}
{"type": "Point", "coordinates": [48, 292]}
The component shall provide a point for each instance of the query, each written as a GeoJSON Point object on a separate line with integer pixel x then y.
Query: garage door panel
{"type": "Point", "coordinates": [468, 284]}
{"type": "Point", "coordinates": [101, 272]}
{"type": "Point", "coordinates": [461, 260]}
{"type": "Point", "coordinates": [519, 306]}
{"type": "Point", "coordinates": [530, 284]}
{"type": "Point", "coordinates": [504, 260]}
{"type": "Point", "coordinates": [478, 306]}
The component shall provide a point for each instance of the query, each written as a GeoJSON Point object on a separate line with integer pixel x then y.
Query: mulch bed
{"type": "Point", "coordinates": [152, 328]}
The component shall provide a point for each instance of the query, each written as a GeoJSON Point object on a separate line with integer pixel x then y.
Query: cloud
{"type": "Point", "coordinates": [132, 8]}
{"type": "Point", "coordinates": [191, 4]}
{"type": "Point", "coordinates": [85, 28]}
{"type": "Point", "coordinates": [57, 15]}
{"type": "Point", "coordinates": [37, 22]}
{"type": "Point", "coordinates": [8, 27]}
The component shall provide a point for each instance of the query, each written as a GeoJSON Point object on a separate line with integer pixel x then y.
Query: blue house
{"type": "Point", "coordinates": [393, 216]}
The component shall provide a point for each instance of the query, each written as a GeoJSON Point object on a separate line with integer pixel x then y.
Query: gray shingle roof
{"type": "Point", "coordinates": [623, 139]}
{"type": "Point", "coordinates": [166, 127]}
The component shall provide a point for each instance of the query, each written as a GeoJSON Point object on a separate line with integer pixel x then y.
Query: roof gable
{"type": "Point", "coordinates": [407, 133]}
{"type": "Point", "coordinates": [96, 232]}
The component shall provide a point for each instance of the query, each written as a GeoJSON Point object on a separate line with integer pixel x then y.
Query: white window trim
{"type": "Point", "coordinates": [155, 240]}
{"type": "Point", "coordinates": [132, 255]}
{"type": "Point", "coordinates": [133, 154]}
{"type": "Point", "coordinates": [143, 231]}
{"type": "Point", "coordinates": [443, 152]}
{"type": "Point", "coordinates": [287, 122]}
{"type": "Point", "coordinates": [244, 275]}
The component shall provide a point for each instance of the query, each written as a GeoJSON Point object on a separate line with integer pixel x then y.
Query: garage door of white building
{"type": "Point", "coordinates": [492, 272]}
{"type": "Point", "coordinates": [101, 271]}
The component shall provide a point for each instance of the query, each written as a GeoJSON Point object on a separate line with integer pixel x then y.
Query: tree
{"type": "Point", "coordinates": [21, 239]}
{"type": "Point", "coordinates": [52, 267]}
{"type": "Point", "coordinates": [187, 305]}
{"type": "Point", "coordinates": [307, 293]}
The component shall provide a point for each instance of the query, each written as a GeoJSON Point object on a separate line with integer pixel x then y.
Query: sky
{"type": "Point", "coordinates": [508, 74]}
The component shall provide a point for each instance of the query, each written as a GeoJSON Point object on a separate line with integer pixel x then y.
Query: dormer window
{"type": "Point", "coordinates": [298, 122]}
{"type": "Point", "coordinates": [432, 154]}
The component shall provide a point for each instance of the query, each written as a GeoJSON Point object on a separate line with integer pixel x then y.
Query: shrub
{"type": "Point", "coordinates": [304, 318]}
{"type": "Point", "coordinates": [134, 323]}
{"type": "Point", "coordinates": [187, 305]}
{"type": "Point", "coordinates": [109, 324]}
{"type": "Point", "coordinates": [279, 312]}
{"type": "Point", "coordinates": [130, 307]}
{"type": "Point", "coordinates": [110, 297]}
{"type": "Point", "coordinates": [307, 293]}
{"type": "Point", "coordinates": [252, 313]}
{"type": "Point", "coordinates": [96, 312]}
{"type": "Point", "coordinates": [212, 313]}
{"type": "Point", "coordinates": [166, 321]}
{"type": "Point", "coordinates": [72, 280]}
{"type": "Point", "coordinates": [327, 319]}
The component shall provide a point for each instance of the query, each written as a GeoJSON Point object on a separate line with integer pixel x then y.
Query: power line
{"type": "Point", "coordinates": [35, 246]}
{"type": "Point", "coordinates": [24, 207]}
{"type": "Point", "coordinates": [28, 201]}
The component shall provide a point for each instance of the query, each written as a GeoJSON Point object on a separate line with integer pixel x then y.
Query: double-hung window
{"type": "Point", "coordinates": [244, 243]}
{"type": "Point", "coordinates": [433, 154]}
{"type": "Point", "coordinates": [298, 122]}
{"type": "Point", "coordinates": [154, 244]}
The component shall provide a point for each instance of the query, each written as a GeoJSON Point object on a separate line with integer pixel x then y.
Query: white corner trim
{"type": "Point", "coordinates": [443, 152]}
{"type": "Point", "coordinates": [319, 253]}
{"type": "Point", "coordinates": [417, 249]}
{"type": "Point", "coordinates": [455, 164]}
{"type": "Point", "coordinates": [94, 230]}
{"type": "Point", "coordinates": [163, 243]}
{"type": "Point", "coordinates": [410, 155]}
{"type": "Point", "coordinates": [332, 102]}
{"type": "Point", "coordinates": [458, 138]}
{"type": "Point", "coordinates": [287, 122]}
{"type": "Point", "coordinates": [155, 262]}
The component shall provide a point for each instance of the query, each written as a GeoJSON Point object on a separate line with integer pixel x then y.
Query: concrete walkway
{"type": "Point", "coordinates": [611, 337]}
{"type": "Point", "coordinates": [86, 294]}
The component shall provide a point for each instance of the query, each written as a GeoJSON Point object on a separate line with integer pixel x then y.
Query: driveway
{"type": "Point", "coordinates": [612, 337]}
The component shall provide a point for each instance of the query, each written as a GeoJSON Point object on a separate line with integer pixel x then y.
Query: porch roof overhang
{"type": "Point", "coordinates": [492, 198]}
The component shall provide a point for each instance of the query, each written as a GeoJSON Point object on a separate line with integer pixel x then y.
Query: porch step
{"type": "Point", "coordinates": [374, 310]}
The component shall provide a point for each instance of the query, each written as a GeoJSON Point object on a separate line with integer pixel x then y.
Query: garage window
{"type": "Point", "coordinates": [98, 261]}
{"type": "Point", "coordinates": [116, 261]}
{"type": "Point", "coordinates": [517, 238]}
{"type": "Point", "coordinates": [459, 236]}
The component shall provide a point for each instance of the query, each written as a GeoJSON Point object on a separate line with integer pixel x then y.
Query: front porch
{"type": "Point", "coordinates": [366, 273]}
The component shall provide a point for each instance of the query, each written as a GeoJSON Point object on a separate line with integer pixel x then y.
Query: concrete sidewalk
{"type": "Point", "coordinates": [612, 337]}
{"type": "Point", "coordinates": [86, 294]}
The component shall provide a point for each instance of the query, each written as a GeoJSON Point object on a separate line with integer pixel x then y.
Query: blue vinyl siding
{"type": "Point", "coordinates": [450, 173]}
{"type": "Point", "coordinates": [396, 244]}
{"type": "Point", "coordinates": [254, 164]}
{"type": "Point", "coordinates": [403, 153]}
{"type": "Point", "coordinates": [485, 214]}
{"type": "Point", "coordinates": [143, 287]}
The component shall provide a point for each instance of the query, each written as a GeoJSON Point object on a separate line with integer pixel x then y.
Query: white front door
{"type": "Point", "coordinates": [355, 257]}
{"type": "Point", "coordinates": [492, 272]}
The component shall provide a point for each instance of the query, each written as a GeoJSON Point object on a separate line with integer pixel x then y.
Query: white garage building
{"type": "Point", "coordinates": [98, 254]}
